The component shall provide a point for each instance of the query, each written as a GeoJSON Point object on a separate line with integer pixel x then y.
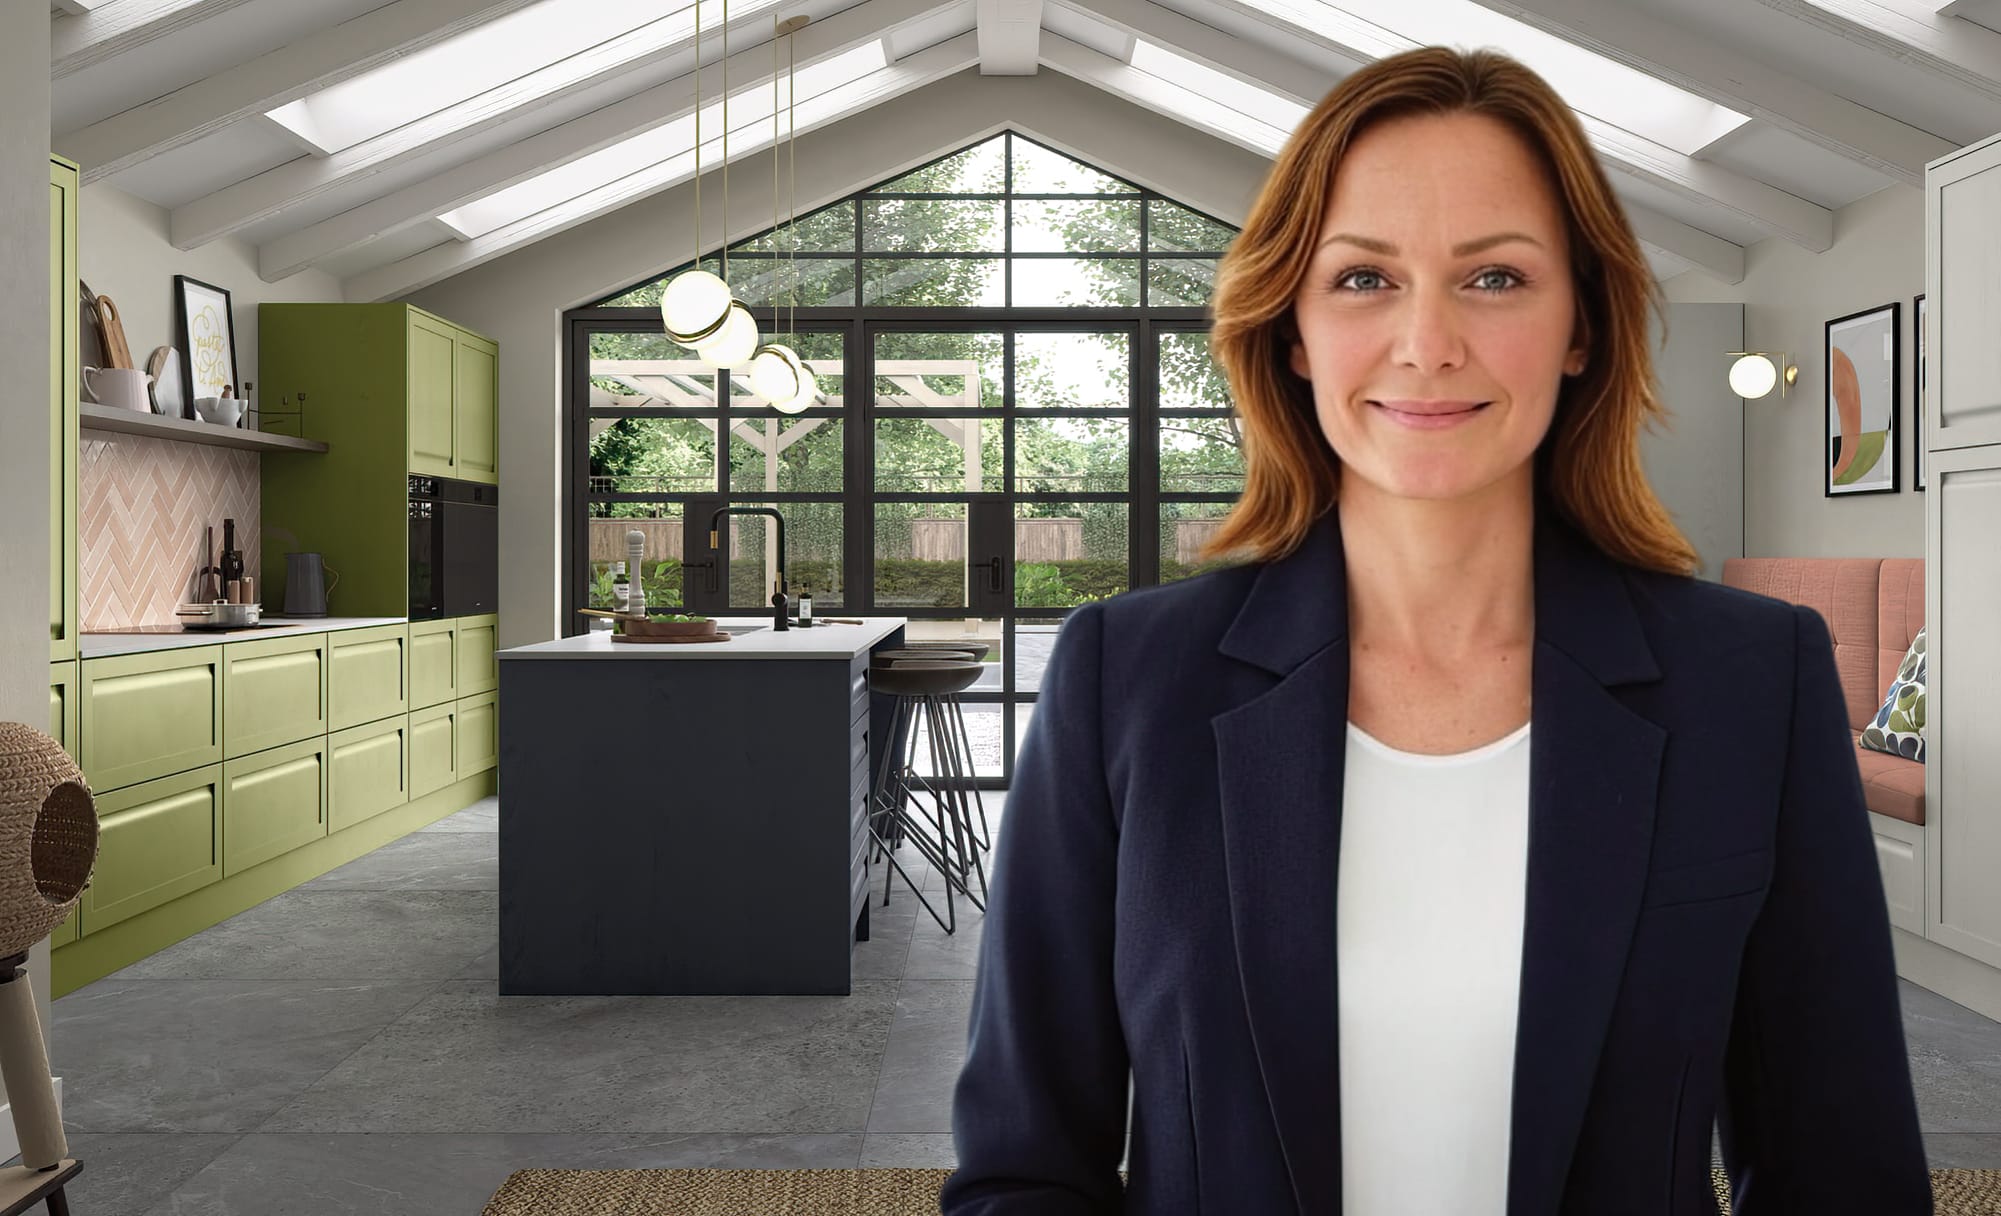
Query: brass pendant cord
{"type": "Point", "coordinates": [726, 145]}
{"type": "Point", "coordinates": [698, 135]}
{"type": "Point", "coordinates": [774, 163]}
{"type": "Point", "coordinates": [792, 155]}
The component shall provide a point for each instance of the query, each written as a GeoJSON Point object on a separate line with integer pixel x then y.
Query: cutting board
{"type": "Point", "coordinates": [116, 353]}
{"type": "Point", "coordinates": [165, 368]}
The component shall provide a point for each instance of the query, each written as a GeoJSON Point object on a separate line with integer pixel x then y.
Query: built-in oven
{"type": "Point", "coordinates": [454, 547]}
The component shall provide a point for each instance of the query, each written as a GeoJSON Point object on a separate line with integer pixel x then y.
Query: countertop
{"type": "Point", "coordinates": [818, 642]}
{"type": "Point", "coordinates": [102, 645]}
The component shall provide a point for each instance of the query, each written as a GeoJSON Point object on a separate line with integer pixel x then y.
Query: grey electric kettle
{"type": "Point", "coordinates": [306, 586]}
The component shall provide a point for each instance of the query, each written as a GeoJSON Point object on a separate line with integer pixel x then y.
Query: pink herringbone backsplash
{"type": "Point", "coordinates": [141, 508]}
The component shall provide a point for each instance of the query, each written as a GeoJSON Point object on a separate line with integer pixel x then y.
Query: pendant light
{"type": "Point", "coordinates": [776, 374]}
{"type": "Point", "coordinates": [735, 342]}
{"type": "Point", "coordinates": [696, 303]}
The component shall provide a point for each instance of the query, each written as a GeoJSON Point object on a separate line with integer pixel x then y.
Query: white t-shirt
{"type": "Point", "coordinates": [1433, 872]}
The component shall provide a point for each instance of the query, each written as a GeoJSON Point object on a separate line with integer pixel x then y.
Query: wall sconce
{"type": "Point", "coordinates": [1754, 373]}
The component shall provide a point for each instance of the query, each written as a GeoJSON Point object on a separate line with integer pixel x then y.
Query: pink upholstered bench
{"type": "Point", "coordinates": [1873, 607]}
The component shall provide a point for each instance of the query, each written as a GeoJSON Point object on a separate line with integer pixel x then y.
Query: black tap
{"type": "Point", "coordinates": [779, 600]}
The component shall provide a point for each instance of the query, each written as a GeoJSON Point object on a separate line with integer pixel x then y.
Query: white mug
{"type": "Point", "coordinates": [123, 387]}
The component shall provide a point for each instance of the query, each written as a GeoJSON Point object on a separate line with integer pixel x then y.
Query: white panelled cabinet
{"type": "Point", "coordinates": [1962, 439]}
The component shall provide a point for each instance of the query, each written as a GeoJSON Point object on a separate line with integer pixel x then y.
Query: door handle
{"type": "Point", "coordinates": [994, 574]}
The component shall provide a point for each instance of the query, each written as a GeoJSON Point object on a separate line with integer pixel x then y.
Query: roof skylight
{"type": "Point", "coordinates": [1592, 83]}
{"type": "Point", "coordinates": [668, 148]}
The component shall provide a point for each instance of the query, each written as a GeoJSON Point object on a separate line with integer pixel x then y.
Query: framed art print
{"type": "Point", "coordinates": [207, 331]}
{"type": "Point", "coordinates": [1918, 391]}
{"type": "Point", "coordinates": [1859, 363]}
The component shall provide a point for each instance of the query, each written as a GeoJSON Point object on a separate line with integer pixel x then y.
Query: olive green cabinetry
{"type": "Point", "coordinates": [149, 715]}
{"type": "Point", "coordinates": [62, 727]}
{"type": "Point", "coordinates": [371, 770]}
{"type": "Point", "coordinates": [274, 691]}
{"type": "Point", "coordinates": [63, 396]}
{"type": "Point", "coordinates": [434, 663]}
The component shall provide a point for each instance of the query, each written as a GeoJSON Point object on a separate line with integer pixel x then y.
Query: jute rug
{"type": "Point", "coordinates": [903, 1193]}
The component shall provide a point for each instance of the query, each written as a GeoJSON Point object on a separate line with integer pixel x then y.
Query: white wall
{"type": "Point", "coordinates": [123, 252]}
{"type": "Point", "coordinates": [518, 300]}
{"type": "Point", "coordinates": [1696, 461]}
{"type": "Point", "coordinates": [1788, 292]}
{"type": "Point", "coordinates": [24, 348]}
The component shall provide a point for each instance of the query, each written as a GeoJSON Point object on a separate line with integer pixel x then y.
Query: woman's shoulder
{"type": "Point", "coordinates": [1703, 614]}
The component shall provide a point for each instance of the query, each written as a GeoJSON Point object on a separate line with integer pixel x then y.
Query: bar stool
{"type": "Point", "coordinates": [919, 685]}
{"type": "Point", "coordinates": [977, 651]}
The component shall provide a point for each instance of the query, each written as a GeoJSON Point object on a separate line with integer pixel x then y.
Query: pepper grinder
{"type": "Point", "coordinates": [635, 548]}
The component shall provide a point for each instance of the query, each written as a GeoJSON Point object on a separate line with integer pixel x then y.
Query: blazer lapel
{"type": "Point", "coordinates": [1594, 769]}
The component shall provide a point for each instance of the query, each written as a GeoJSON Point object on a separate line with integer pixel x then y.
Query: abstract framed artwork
{"type": "Point", "coordinates": [207, 330]}
{"type": "Point", "coordinates": [1860, 371]}
{"type": "Point", "coordinates": [1918, 391]}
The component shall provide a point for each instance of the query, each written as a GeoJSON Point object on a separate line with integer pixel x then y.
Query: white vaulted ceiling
{"type": "Point", "coordinates": [395, 144]}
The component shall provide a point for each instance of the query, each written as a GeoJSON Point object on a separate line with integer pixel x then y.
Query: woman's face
{"type": "Point", "coordinates": [1436, 316]}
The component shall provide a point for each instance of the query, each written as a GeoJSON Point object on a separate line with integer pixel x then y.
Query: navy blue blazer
{"type": "Point", "coordinates": [1705, 929]}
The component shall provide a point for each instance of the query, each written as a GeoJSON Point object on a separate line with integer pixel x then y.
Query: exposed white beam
{"type": "Point", "coordinates": [272, 79]}
{"type": "Point", "coordinates": [559, 145]}
{"type": "Point", "coordinates": [1707, 69]}
{"type": "Point", "coordinates": [1783, 214]}
{"type": "Point", "coordinates": [215, 215]}
{"type": "Point", "coordinates": [93, 36]}
{"type": "Point", "coordinates": [1161, 96]}
{"type": "Point", "coordinates": [1208, 46]}
{"type": "Point", "coordinates": [77, 8]}
{"type": "Point", "coordinates": [1009, 33]}
{"type": "Point", "coordinates": [1705, 251]}
{"type": "Point", "coordinates": [1959, 51]}
{"type": "Point", "coordinates": [443, 261]}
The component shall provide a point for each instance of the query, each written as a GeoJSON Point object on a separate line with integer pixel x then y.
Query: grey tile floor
{"type": "Point", "coordinates": [342, 1049]}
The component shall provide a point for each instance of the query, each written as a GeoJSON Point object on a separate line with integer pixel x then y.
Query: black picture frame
{"type": "Point", "coordinates": [194, 304]}
{"type": "Point", "coordinates": [1878, 373]}
{"type": "Point", "coordinates": [1918, 375]}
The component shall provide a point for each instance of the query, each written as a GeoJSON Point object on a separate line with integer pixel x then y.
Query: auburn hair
{"type": "Point", "coordinates": [1588, 465]}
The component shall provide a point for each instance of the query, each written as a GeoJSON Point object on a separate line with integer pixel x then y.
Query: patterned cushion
{"type": "Point", "coordinates": [1898, 727]}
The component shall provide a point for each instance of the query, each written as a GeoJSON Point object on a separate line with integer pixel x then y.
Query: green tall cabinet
{"type": "Point", "coordinates": [392, 390]}
{"type": "Point", "coordinates": [63, 186]}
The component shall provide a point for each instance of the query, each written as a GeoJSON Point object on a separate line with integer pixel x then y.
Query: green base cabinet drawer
{"type": "Point", "coordinates": [479, 734]}
{"type": "Point", "coordinates": [434, 664]}
{"type": "Point", "coordinates": [149, 715]}
{"type": "Point", "coordinates": [369, 771]}
{"type": "Point", "coordinates": [274, 691]}
{"type": "Point", "coordinates": [434, 754]}
{"type": "Point", "coordinates": [63, 705]}
{"type": "Point", "coordinates": [369, 675]}
{"type": "Point", "coordinates": [272, 803]}
{"type": "Point", "coordinates": [477, 671]}
{"type": "Point", "coordinates": [156, 842]}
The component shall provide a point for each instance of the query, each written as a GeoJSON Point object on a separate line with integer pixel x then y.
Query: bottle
{"type": "Point", "coordinates": [805, 607]}
{"type": "Point", "coordinates": [232, 561]}
{"type": "Point", "coordinates": [621, 587]}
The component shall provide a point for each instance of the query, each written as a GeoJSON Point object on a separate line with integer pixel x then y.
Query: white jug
{"type": "Point", "coordinates": [123, 387]}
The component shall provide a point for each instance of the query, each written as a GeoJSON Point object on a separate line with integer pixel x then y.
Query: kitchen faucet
{"type": "Point", "coordinates": [779, 600]}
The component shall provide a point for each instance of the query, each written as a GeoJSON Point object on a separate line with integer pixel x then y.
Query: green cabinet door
{"type": "Point", "coordinates": [368, 674]}
{"type": "Point", "coordinates": [274, 691]}
{"type": "Point", "coordinates": [433, 359]}
{"type": "Point", "coordinates": [370, 771]}
{"type": "Point", "coordinates": [147, 715]}
{"type": "Point", "coordinates": [479, 734]}
{"type": "Point", "coordinates": [272, 803]}
{"type": "Point", "coordinates": [63, 705]}
{"type": "Point", "coordinates": [477, 671]}
{"type": "Point", "coordinates": [433, 748]}
{"type": "Point", "coordinates": [63, 396]}
{"type": "Point", "coordinates": [156, 842]}
{"type": "Point", "coordinates": [476, 409]}
{"type": "Point", "coordinates": [434, 672]}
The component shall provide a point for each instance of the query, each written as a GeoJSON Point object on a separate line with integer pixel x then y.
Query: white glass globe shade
{"type": "Point", "coordinates": [1753, 376]}
{"type": "Point", "coordinates": [734, 344]}
{"type": "Point", "coordinates": [809, 392]}
{"type": "Point", "coordinates": [774, 373]}
{"type": "Point", "coordinates": [694, 305]}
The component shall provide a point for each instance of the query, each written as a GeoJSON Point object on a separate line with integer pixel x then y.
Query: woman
{"type": "Point", "coordinates": [1462, 853]}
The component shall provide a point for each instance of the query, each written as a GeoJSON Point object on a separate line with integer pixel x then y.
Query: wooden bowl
{"type": "Point", "coordinates": [638, 628]}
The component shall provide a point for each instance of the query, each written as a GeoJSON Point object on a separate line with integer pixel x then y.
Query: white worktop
{"type": "Point", "coordinates": [102, 645]}
{"type": "Point", "coordinates": [819, 642]}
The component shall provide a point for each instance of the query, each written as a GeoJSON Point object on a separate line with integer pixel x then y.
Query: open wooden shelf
{"type": "Point", "coordinates": [93, 417]}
